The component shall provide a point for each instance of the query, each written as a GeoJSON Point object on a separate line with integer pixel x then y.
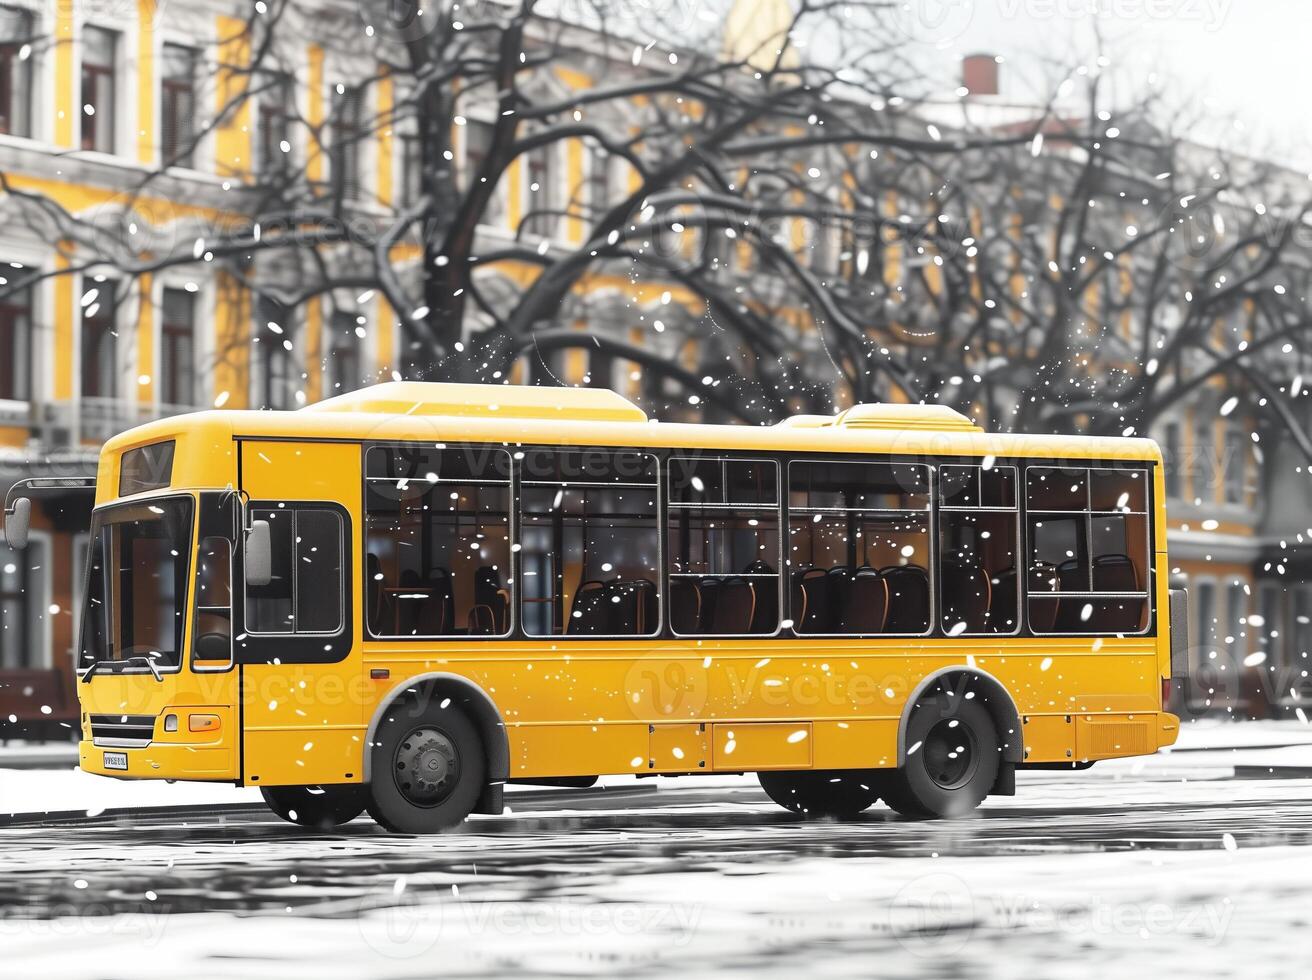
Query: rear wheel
{"type": "Point", "coordinates": [429, 768]}
{"type": "Point", "coordinates": [816, 794]}
{"type": "Point", "coordinates": [321, 807]}
{"type": "Point", "coordinates": [952, 760]}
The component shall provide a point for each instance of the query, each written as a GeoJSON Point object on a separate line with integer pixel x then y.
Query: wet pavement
{"type": "Point", "coordinates": [1077, 874]}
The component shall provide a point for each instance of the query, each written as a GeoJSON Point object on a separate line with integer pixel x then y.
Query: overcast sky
{"type": "Point", "coordinates": [1244, 60]}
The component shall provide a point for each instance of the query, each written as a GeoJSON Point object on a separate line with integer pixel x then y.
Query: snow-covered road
{"type": "Point", "coordinates": [1168, 865]}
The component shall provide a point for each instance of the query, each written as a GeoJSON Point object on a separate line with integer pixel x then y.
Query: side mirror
{"type": "Point", "coordinates": [17, 523]}
{"type": "Point", "coordinates": [259, 554]}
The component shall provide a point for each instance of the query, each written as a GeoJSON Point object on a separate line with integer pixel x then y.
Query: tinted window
{"type": "Point", "coordinates": [139, 567]}
{"type": "Point", "coordinates": [590, 544]}
{"type": "Point", "coordinates": [213, 630]}
{"type": "Point", "coordinates": [978, 584]}
{"type": "Point", "coordinates": [724, 546]}
{"type": "Point", "coordinates": [437, 541]}
{"type": "Point", "coordinates": [1089, 566]}
{"type": "Point", "coordinates": [146, 468]}
{"type": "Point", "coordinates": [304, 594]}
{"type": "Point", "coordinates": [858, 548]}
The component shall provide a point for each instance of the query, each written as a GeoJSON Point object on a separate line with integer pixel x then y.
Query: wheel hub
{"type": "Point", "coordinates": [950, 753]}
{"type": "Point", "coordinates": [427, 766]}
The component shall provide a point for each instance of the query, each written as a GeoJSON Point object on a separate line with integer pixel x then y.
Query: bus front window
{"type": "Point", "coordinates": [137, 582]}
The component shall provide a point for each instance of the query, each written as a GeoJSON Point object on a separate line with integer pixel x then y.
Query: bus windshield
{"type": "Point", "coordinates": [137, 583]}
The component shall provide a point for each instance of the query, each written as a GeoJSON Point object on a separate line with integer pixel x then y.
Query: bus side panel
{"type": "Point", "coordinates": [305, 722]}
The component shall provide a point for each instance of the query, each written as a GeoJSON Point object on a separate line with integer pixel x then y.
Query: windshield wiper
{"type": "Point", "coordinates": [150, 664]}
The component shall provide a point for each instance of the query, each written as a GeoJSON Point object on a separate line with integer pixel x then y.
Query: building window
{"type": "Point", "coordinates": [590, 543]}
{"type": "Point", "coordinates": [177, 105]}
{"type": "Point", "coordinates": [274, 334]}
{"type": "Point", "coordinates": [724, 546]}
{"type": "Point", "coordinates": [1236, 636]}
{"type": "Point", "coordinates": [305, 592]}
{"type": "Point", "coordinates": [412, 174]}
{"type": "Point", "coordinates": [599, 188]}
{"type": "Point", "coordinates": [858, 547]}
{"type": "Point", "coordinates": [1268, 626]}
{"type": "Point", "coordinates": [99, 79]}
{"type": "Point", "coordinates": [344, 362]}
{"type": "Point", "coordinates": [478, 144]}
{"type": "Point", "coordinates": [178, 348]}
{"type": "Point", "coordinates": [1203, 459]}
{"type": "Point", "coordinates": [977, 550]}
{"type": "Point", "coordinates": [1174, 461]}
{"type": "Point", "coordinates": [1204, 670]}
{"type": "Point", "coordinates": [274, 106]}
{"type": "Point", "coordinates": [22, 606]}
{"type": "Point", "coordinates": [1088, 568]}
{"type": "Point", "coordinates": [437, 541]}
{"type": "Point", "coordinates": [15, 338]}
{"type": "Point", "coordinates": [99, 338]}
{"type": "Point", "coordinates": [1236, 464]}
{"type": "Point", "coordinates": [347, 134]}
{"type": "Point", "coordinates": [1300, 630]}
{"type": "Point", "coordinates": [15, 72]}
{"type": "Point", "coordinates": [543, 211]}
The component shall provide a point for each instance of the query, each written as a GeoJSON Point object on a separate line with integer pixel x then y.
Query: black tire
{"type": "Point", "coordinates": [429, 767]}
{"type": "Point", "coordinates": [320, 807]}
{"type": "Point", "coordinates": [952, 759]}
{"type": "Point", "coordinates": [840, 794]}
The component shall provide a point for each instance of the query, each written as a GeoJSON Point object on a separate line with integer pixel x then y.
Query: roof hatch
{"type": "Point", "coordinates": [938, 418]}
{"type": "Point", "coordinates": [427, 398]}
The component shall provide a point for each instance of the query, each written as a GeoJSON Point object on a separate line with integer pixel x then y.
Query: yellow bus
{"type": "Point", "coordinates": [404, 598]}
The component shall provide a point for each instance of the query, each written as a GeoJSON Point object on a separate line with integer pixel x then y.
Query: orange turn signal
{"type": "Point", "coordinates": [203, 723]}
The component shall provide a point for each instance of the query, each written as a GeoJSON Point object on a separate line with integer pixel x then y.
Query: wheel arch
{"type": "Point", "coordinates": [483, 712]}
{"type": "Point", "coordinates": [992, 694]}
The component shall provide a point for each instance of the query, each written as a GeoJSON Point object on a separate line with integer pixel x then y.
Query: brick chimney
{"type": "Point", "coordinates": [979, 74]}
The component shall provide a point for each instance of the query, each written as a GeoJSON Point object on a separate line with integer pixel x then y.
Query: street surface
{"type": "Point", "coordinates": [1167, 866]}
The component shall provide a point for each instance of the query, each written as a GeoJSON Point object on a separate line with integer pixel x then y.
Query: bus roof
{"type": "Point", "coordinates": [427, 411]}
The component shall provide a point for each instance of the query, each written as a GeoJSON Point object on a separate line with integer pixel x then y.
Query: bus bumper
{"type": "Point", "coordinates": [160, 760]}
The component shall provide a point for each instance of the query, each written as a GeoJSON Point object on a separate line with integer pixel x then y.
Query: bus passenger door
{"type": "Point", "coordinates": [303, 704]}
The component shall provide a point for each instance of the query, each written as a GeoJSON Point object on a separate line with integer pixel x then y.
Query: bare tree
{"type": "Point", "coordinates": [701, 161]}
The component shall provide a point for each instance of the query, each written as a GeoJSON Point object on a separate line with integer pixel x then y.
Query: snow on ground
{"type": "Point", "coordinates": [1211, 887]}
{"type": "Point", "coordinates": [1162, 865]}
{"type": "Point", "coordinates": [1206, 749]}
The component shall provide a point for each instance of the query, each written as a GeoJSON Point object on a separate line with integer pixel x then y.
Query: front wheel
{"type": "Point", "coordinates": [429, 767]}
{"type": "Point", "coordinates": [815, 794]}
{"type": "Point", "coordinates": [321, 807]}
{"type": "Point", "coordinates": [952, 759]}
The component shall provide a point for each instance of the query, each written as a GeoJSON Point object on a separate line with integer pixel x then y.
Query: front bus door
{"type": "Point", "coordinates": [303, 707]}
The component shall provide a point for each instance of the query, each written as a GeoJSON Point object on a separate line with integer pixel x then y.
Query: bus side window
{"type": "Point", "coordinates": [978, 585]}
{"type": "Point", "coordinates": [1089, 568]}
{"type": "Point", "coordinates": [437, 541]}
{"type": "Point", "coordinates": [590, 543]}
{"type": "Point", "coordinates": [724, 546]}
{"type": "Point", "coordinates": [212, 642]}
{"type": "Point", "coordinates": [305, 592]}
{"type": "Point", "coordinates": [858, 547]}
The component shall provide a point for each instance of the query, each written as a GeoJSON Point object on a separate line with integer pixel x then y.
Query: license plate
{"type": "Point", "coordinates": [116, 760]}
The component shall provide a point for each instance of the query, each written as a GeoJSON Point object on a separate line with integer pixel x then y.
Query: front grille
{"type": "Point", "coordinates": [114, 729]}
